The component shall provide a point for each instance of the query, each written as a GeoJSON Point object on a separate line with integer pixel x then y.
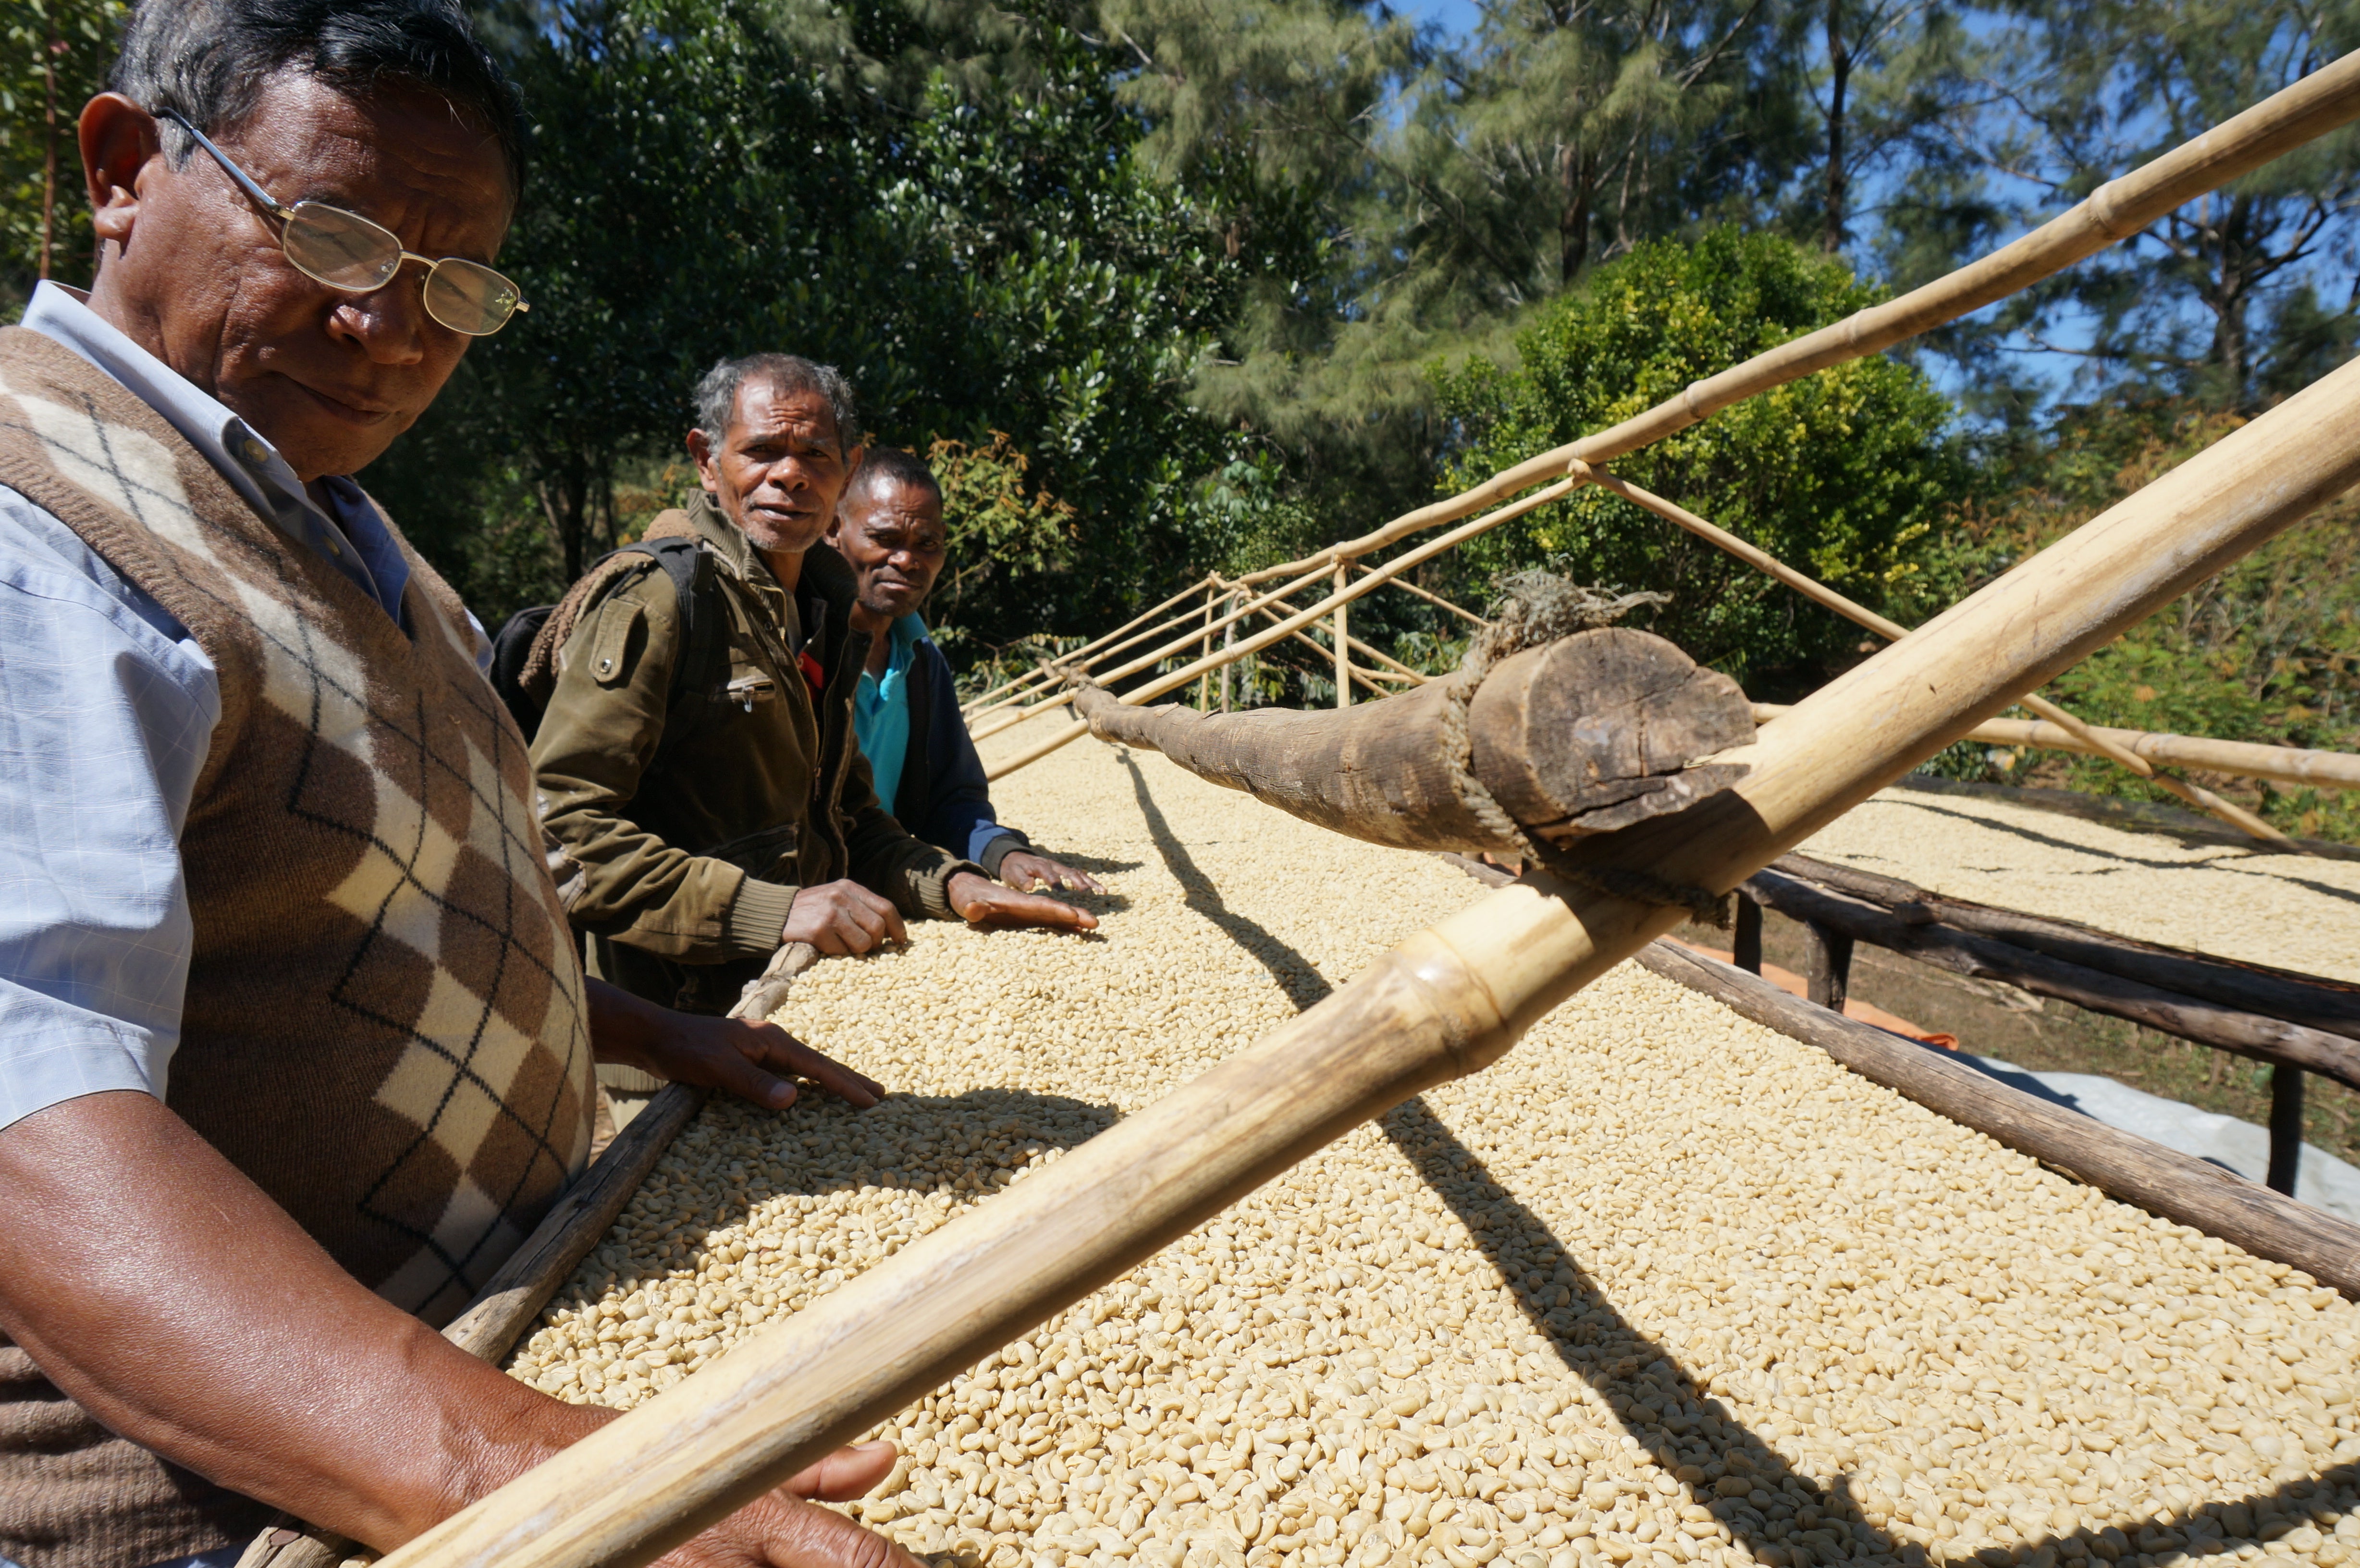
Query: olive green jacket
{"type": "Point", "coordinates": [683, 860]}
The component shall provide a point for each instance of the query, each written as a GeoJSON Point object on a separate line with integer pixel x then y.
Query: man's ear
{"type": "Point", "coordinates": [700, 447]}
{"type": "Point", "coordinates": [119, 140]}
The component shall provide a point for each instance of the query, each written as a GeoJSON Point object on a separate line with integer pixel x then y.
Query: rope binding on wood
{"type": "Point", "coordinates": [1532, 609]}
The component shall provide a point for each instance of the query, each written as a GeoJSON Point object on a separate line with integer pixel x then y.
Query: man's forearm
{"type": "Point", "coordinates": [170, 1298]}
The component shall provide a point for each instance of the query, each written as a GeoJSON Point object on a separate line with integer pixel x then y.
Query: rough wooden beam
{"type": "Point", "coordinates": [2310, 1000]}
{"type": "Point", "coordinates": [1985, 958]}
{"type": "Point", "coordinates": [1589, 733]}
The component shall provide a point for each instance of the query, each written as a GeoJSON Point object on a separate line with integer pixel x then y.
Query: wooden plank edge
{"type": "Point", "coordinates": [2124, 1166]}
{"type": "Point", "coordinates": [490, 1325]}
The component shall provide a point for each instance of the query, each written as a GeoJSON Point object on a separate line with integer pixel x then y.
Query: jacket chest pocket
{"type": "Point", "coordinates": [763, 855]}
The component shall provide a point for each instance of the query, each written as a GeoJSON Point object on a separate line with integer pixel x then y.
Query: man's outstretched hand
{"type": "Point", "coordinates": [780, 1529]}
{"type": "Point", "coordinates": [981, 901]}
{"type": "Point", "coordinates": [755, 1062]}
{"type": "Point", "coordinates": [1029, 873]}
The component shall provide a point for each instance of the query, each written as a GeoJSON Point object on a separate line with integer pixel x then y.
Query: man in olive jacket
{"type": "Point", "coordinates": [712, 807]}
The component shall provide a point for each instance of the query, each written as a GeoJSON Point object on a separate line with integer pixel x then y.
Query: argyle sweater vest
{"type": "Point", "coordinates": [383, 1025]}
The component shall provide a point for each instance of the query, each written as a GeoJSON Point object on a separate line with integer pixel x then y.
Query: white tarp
{"type": "Point", "coordinates": [2321, 1180]}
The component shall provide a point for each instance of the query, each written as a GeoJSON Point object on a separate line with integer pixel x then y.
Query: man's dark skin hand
{"type": "Point", "coordinates": [754, 1062]}
{"type": "Point", "coordinates": [147, 1276]}
{"type": "Point", "coordinates": [893, 537]}
{"type": "Point", "coordinates": [778, 473]}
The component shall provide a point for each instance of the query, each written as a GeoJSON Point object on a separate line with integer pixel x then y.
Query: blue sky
{"type": "Point", "coordinates": [1454, 15]}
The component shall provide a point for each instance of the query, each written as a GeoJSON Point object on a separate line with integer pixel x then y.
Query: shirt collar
{"type": "Point", "coordinates": [353, 537]}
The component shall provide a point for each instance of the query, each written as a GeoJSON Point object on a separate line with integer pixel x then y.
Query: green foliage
{"type": "Point", "coordinates": [996, 521]}
{"type": "Point", "coordinates": [56, 56]}
{"type": "Point", "coordinates": [2268, 651]}
{"type": "Point", "coordinates": [1844, 473]}
{"type": "Point", "coordinates": [939, 202]}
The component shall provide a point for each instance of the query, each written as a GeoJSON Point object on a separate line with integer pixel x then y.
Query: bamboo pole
{"type": "Point", "coordinates": [1375, 656]}
{"type": "Point", "coordinates": [1204, 651]}
{"type": "Point", "coordinates": [2245, 759]}
{"type": "Point", "coordinates": [2326, 99]}
{"type": "Point", "coordinates": [977, 704]}
{"type": "Point", "coordinates": [1406, 586]}
{"type": "Point", "coordinates": [1149, 660]}
{"type": "Point", "coordinates": [1053, 676]}
{"type": "Point", "coordinates": [1828, 598]}
{"type": "Point", "coordinates": [491, 1324]}
{"type": "Point", "coordinates": [1340, 631]}
{"type": "Point", "coordinates": [1296, 622]}
{"type": "Point", "coordinates": [1447, 1002]}
{"type": "Point", "coordinates": [1228, 640]}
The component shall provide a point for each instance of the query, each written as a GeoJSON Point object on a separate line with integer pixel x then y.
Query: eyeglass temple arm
{"type": "Point", "coordinates": [256, 192]}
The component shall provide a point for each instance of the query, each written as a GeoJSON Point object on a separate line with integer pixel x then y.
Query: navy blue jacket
{"type": "Point", "coordinates": [943, 798]}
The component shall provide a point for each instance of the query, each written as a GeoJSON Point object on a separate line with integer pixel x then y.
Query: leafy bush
{"type": "Point", "coordinates": [2268, 650]}
{"type": "Point", "coordinates": [1843, 475]}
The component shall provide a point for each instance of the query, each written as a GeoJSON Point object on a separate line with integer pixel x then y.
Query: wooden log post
{"type": "Point", "coordinates": [1827, 964]}
{"type": "Point", "coordinates": [1962, 952]}
{"type": "Point", "coordinates": [1747, 940]}
{"type": "Point", "coordinates": [1587, 734]}
{"type": "Point", "coordinates": [1447, 1002]}
{"type": "Point", "coordinates": [2286, 1128]}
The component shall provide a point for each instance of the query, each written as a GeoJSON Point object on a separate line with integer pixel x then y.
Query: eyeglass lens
{"type": "Point", "coordinates": [346, 251]}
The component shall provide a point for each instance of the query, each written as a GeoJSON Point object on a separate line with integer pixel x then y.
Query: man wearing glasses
{"type": "Point", "coordinates": [294, 1046]}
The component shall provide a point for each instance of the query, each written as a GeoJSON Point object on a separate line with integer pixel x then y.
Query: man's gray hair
{"type": "Point", "coordinates": [208, 59]}
{"type": "Point", "coordinates": [716, 394]}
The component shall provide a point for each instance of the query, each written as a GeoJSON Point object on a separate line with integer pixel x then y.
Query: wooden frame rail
{"type": "Point", "coordinates": [2232, 1007]}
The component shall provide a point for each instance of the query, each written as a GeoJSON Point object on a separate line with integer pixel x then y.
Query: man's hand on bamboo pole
{"type": "Point", "coordinates": [755, 1060]}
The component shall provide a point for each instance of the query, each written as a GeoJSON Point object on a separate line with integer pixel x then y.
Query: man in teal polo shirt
{"type": "Point", "coordinates": [889, 527]}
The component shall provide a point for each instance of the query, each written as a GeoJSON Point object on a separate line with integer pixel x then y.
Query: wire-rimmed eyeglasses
{"type": "Point", "coordinates": [353, 255]}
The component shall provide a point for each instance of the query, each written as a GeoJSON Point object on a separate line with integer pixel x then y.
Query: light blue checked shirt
{"type": "Point", "coordinates": [107, 707]}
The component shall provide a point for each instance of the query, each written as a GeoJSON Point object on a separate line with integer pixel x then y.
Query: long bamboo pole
{"type": "Point", "coordinates": [1296, 622]}
{"type": "Point", "coordinates": [1051, 674]}
{"type": "Point", "coordinates": [1339, 629]}
{"type": "Point", "coordinates": [1173, 649]}
{"type": "Point", "coordinates": [2326, 99]}
{"type": "Point", "coordinates": [1140, 619]}
{"type": "Point", "coordinates": [1406, 586]}
{"type": "Point", "coordinates": [1819, 593]}
{"type": "Point", "coordinates": [1447, 1002]}
{"type": "Point", "coordinates": [1381, 662]}
{"type": "Point", "coordinates": [2243, 759]}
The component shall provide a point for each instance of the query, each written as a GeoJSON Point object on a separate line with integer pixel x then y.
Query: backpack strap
{"type": "Point", "coordinates": [698, 680]}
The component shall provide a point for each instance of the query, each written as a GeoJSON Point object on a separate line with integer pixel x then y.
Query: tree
{"type": "Point", "coordinates": [2191, 305]}
{"type": "Point", "coordinates": [941, 202]}
{"type": "Point", "coordinates": [1887, 80]}
{"type": "Point", "coordinates": [58, 55]}
{"type": "Point", "coordinates": [1843, 473]}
